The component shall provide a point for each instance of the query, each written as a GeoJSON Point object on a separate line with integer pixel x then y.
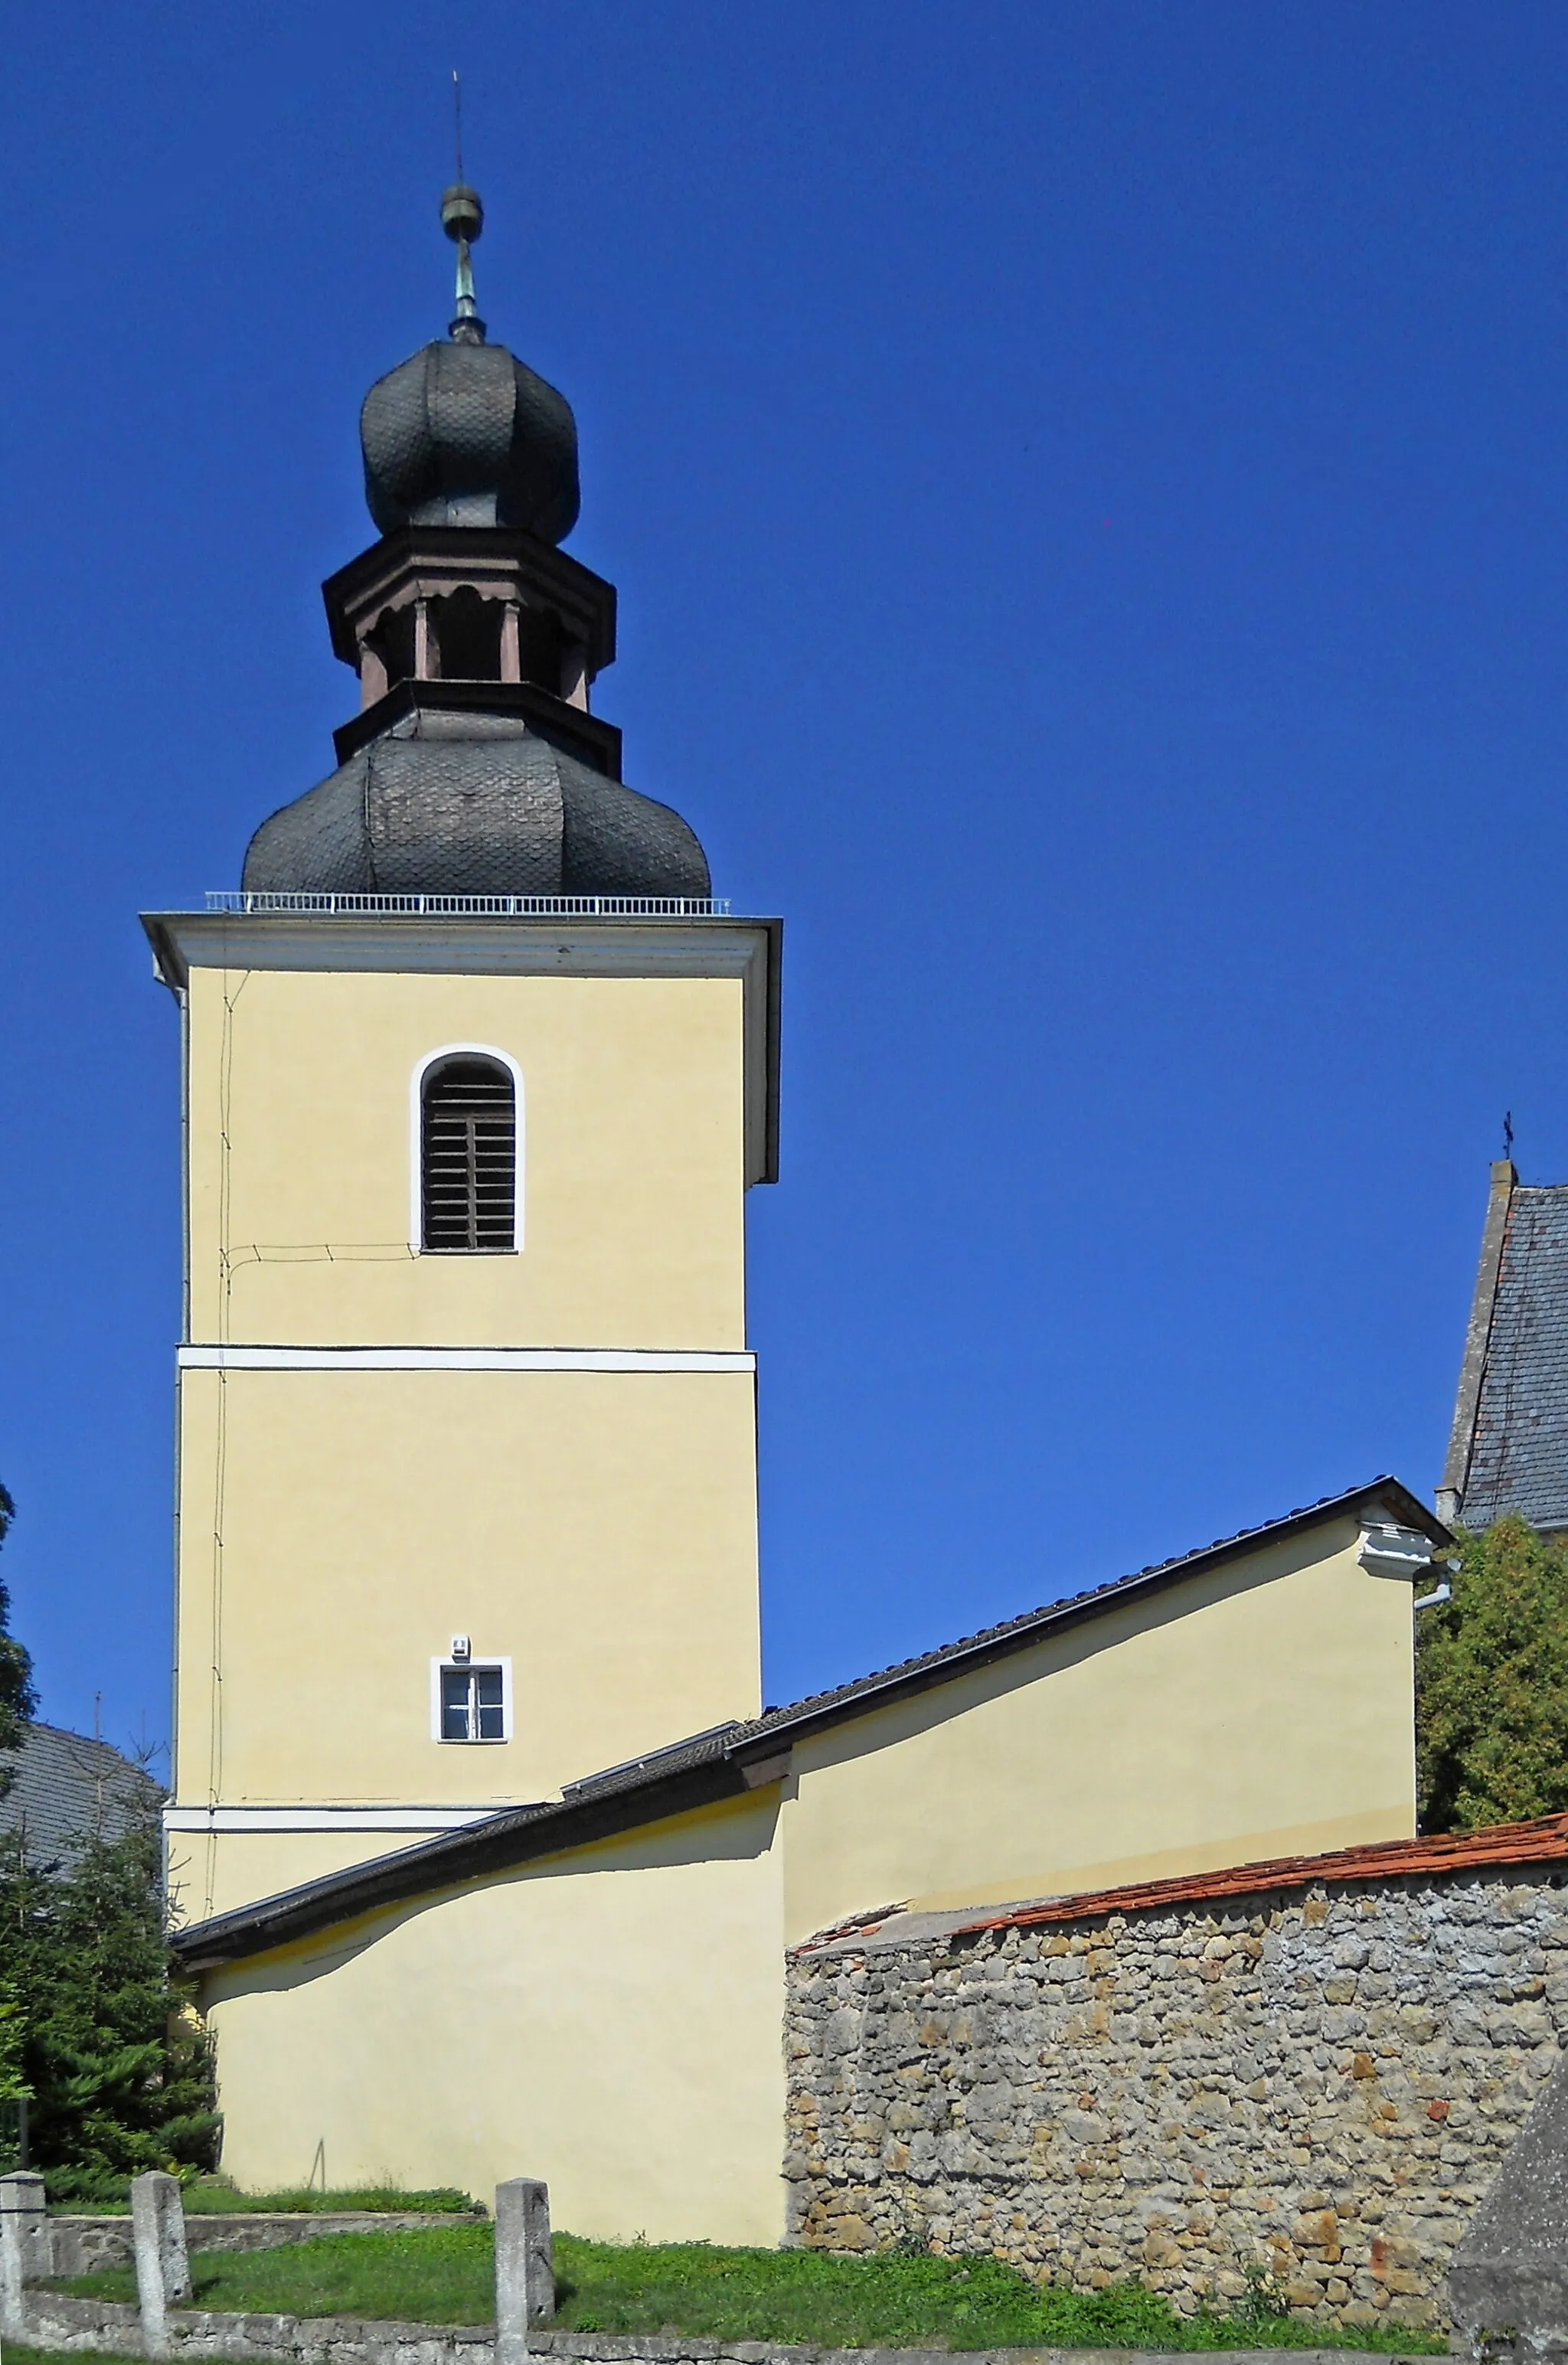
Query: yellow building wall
{"type": "Point", "coordinates": [608, 2020]}
{"type": "Point", "coordinates": [613, 2019]}
{"type": "Point", "coordinates": [1261, 1709]}
{"type": "Point", "coordinates": [338, 1527]}
{"type": "Point", "coordinates": [631, 1174]}
{"type": "Point", "coordinates": [596, 1528]}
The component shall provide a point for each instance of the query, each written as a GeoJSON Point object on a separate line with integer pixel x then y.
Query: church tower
{"type": "Point", "coordinates": [476, 1076]}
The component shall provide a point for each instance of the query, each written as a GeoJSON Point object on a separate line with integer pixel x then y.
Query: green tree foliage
{"type": "Point", "coordinates": [17, 1699]}
{"type": "Point", "coordinates": [1492, 1684]}
{"type": "Point", "coordinates": [93, 2027]}
{"type": "Point", "coordinates": [116, 2073]}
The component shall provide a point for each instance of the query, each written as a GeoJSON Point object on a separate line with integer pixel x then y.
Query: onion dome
{"type": "Point", "coordinates": [459, 804]}
{"type": "Point", "coordinates": [462, 433]}
{"type": "Point", "coordinates": [475, 766]}
{"type": "Point", "coordinates": [468, 435]}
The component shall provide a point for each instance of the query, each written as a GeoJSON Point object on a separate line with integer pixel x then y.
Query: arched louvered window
{"type": "Point", "coordinates": [468, 1156]}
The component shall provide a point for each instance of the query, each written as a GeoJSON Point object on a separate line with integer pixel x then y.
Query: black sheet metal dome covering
{"type": "Point", "coordinates": [465, 434]}
{"type": "Point", "coordinates": [467, 805]}
{"type": "Point", "coordinates": [463, 793]}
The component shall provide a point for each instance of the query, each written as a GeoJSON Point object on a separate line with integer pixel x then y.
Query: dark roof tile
{"type": "Point", "coordinates": [1518, 1458]}
{"type": "Point", "coordinates": [1542, 1842]}
{"type": "Point", "coordinates": [65, 1787]}
{"type": "Point", "coordinates": [473, 804]}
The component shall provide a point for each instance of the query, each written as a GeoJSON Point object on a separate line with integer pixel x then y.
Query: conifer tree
{"type": "Point", "coordinates": [117, 2072]}
{"type": "Point", "coordinates": [115, 2075]}
{"type": "Point", "coordinates": [17, 1699]}
{"type": "Point", "coordinates": [1492, 1684]}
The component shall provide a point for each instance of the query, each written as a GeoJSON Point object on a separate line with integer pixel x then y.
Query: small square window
{"type": "Point", "coordinates": [472, 1703]}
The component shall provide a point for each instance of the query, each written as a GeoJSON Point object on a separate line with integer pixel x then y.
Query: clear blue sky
{"type": "Point", "coordinates": [1087, 484]}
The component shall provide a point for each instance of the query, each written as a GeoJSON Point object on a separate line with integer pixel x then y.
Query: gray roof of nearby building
{"type": "Point", "coordinates": [1509, 1449]}
{"type": "Point", "coordinates": [730, 1759]}
{"type": "Point", "coordinates": [473, 804]}
{"type": "Point", "coordinates": [65, 1788]}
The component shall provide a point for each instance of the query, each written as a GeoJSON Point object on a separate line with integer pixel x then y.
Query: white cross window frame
{"type": "Point", "coordinates": [481, 1663]}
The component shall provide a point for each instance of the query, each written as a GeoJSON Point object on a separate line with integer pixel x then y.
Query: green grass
{"type": "Point", "coordinates": [436, 2275]}
{"type": "Point", "coordinates": [208, 2200]}
{"type": "Point", "coordinates": [17, 2355]}
{"type": "Point", "coordinates": [443, 2275]}
{"type": "Point", "coordinates": [211, 2197]}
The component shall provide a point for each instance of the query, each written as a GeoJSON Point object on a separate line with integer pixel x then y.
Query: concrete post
{"type": "Point", "coordinates": [24, 2247]}
{"type": "Point", "coordinates": [162, 2265]}
{"type": "Point", "coordinates": [525, 2274]}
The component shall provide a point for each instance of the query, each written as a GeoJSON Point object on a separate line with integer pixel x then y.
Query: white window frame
{"type": "Point", "coordinates": [450, 1666]}
{"type": "Point", "coordinates": [416, 1141]}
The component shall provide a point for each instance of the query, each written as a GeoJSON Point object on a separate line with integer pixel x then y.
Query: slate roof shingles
{"type": "Point", "coordinates": [64, 1787]}
{"type": "Point", "coordinates": [1520, 1457]}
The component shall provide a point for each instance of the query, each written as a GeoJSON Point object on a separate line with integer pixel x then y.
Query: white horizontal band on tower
{"type": "Point", "coordinates": [462, 1359]}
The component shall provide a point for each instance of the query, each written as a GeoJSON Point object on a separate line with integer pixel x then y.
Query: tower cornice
{"type": "Point", "coordinates": [495, 945]}
{"type": "Point", "coordinates": [586, 736]}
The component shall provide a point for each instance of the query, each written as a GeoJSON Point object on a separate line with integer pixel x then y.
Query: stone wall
{"type": "Point", "coordinates": [60, 2324]}
{"type": "Point", "coordinates": [1318, 2085]}
{"type": "Point", "coordinates": [65, 2326]}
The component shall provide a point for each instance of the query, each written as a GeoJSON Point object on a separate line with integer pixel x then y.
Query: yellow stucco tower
{"type": "Point", "coordinates": [476, 1075]}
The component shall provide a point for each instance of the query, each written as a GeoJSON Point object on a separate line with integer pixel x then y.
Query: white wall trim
{"type": "Point", "coordinates": [416, 1141]}
{"type": "Point", "coordinates": [203, 1358]}
{"type": "Point", "coordinates": [439, 1667]}
{"type": "Point", "coordinates": [324, 1818]}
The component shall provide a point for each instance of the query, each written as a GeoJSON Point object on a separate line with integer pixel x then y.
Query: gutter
{"type": "Point", "coordinates": [520, 1835]}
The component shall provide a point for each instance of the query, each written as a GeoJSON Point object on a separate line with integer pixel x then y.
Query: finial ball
{"type": "Point", "coordinates": [461, 215]}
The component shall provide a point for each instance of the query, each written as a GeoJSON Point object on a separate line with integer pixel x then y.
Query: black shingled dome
{"type": "Point", "coordinates": [464, 435]}
{"type": "Point", "coordinates": [473, 804]}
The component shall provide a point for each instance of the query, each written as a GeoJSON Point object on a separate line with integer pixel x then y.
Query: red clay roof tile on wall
{"type": "Point", "coordinates": [1544, 1840]}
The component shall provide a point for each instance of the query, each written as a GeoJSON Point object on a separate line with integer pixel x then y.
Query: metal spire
{"type": "Point", "coordinates": [462, 218]}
